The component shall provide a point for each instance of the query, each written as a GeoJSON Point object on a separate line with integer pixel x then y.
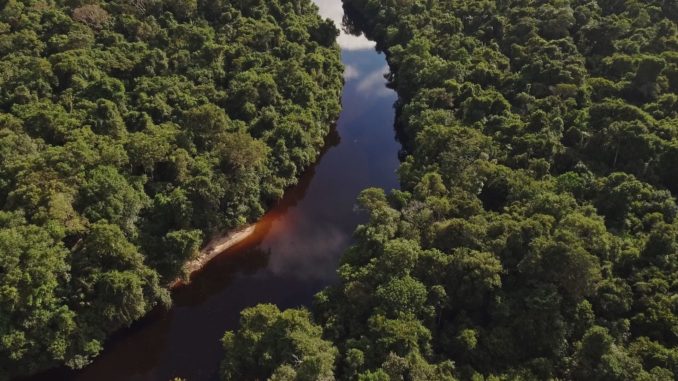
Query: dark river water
{"type": "Point", "coordinates": [293, 253]}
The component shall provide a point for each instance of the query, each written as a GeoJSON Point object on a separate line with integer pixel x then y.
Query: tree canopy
{"type": "Point", "coordinates": [131, 131]}
{"type": "Point", "coordinates": [535, 234]}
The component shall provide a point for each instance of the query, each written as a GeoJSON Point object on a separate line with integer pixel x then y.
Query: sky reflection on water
{"type": "Point", "coordinates": [333, 9]}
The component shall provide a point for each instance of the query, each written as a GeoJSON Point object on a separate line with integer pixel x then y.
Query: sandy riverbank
{"type": "Point", "coordinates": [213, 248]}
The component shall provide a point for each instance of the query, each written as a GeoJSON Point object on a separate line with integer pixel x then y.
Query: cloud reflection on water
{"type": "Point", "coordinates": [333, 9]}
{"type": "Point", "coordinates": [374, 83]}
{"type": "Point", "coordinates": [313, 256]}
{"type": "Point", "coordinates": [351, 72]}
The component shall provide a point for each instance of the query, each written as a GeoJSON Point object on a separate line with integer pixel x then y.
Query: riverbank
{"type": "Point", "coordinates": [214, 248]}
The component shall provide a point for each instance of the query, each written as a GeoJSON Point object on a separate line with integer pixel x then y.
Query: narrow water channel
{"type": "Point", "coordinates": [294, 251]}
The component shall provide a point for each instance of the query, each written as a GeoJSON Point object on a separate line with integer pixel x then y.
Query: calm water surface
{"type": "Point", "coordinates": [294, 251]}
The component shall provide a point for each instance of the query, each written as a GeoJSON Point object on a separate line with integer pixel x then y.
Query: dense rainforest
{"type": "Point", "coordinates": [132, 131]}
{"type": "Point", "coordinates": [535, 235]}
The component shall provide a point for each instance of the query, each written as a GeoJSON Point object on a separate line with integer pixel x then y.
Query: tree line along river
{"type": "Point", "coordinates": [295, 248]}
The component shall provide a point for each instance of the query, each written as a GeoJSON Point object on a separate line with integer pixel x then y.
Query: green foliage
{"type": "Point", "coordinates": [130, 133]}
{"type": "Point", "coordinates": [277, 346]}
{"type": "Point", "coordinates": [33, 274]}
{"type": "Point", "coordinates": [535, 234]}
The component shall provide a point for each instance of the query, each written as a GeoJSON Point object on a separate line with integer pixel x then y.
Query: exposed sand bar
{"type": "Point", "coordinates": [213, 248]}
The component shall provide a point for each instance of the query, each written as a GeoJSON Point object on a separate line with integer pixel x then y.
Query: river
{"type": "Point", "coordinates": [294, 251]}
